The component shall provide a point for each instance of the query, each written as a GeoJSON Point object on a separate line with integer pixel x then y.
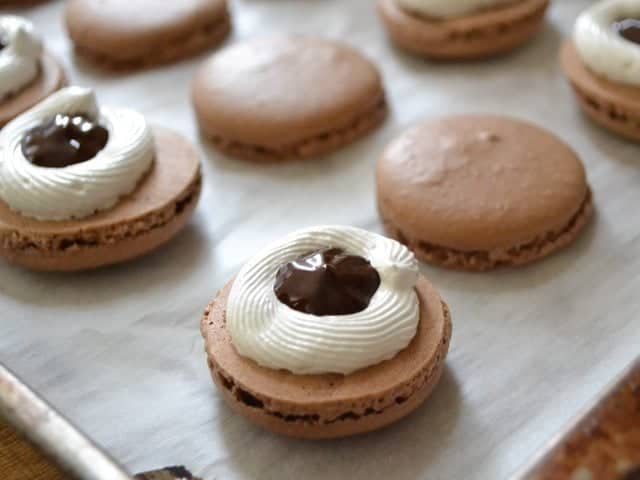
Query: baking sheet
{"type": "Point", "coordinates": [602, 442]}
{"type": "Point", "coordinates": [118, 351]}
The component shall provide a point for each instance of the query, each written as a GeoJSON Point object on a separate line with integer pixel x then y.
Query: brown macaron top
{"type": "Point", "coordinates": [128, 29]}
{"type": "Point", "coordinates": [479, 182]}
{"type": "Point", "coordinates": [282, 90]}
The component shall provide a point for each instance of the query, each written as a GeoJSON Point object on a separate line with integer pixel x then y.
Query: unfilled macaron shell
{"type": "Point", "coordinates": [483, 184]}
{"type": "Point", "coordinates": [125, 34]}
{"type": "Point", "coordinates": [276, 94]}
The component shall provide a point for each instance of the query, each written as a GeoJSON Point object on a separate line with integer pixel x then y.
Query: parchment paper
{"type": "Point", "coordinates": [119, 351]}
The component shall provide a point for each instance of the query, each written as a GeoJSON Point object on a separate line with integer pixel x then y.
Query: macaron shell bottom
{"type": "Point", "coordinates": [475, 36]}
{"type": "Point", "coordinates": [50, 79]}
{"type": "Point", "coordinates": [198, 41]}
{"type": "Point", "coordinates": [312, 147]}
{"type": "Point", "coordinates": [154, 213]}
{"type": "Point", "coordinates": [479, 261]}
{"type": "Point", "coordinates": [613, 106]}
{"type": "Point", "coordinates": [330, 405]}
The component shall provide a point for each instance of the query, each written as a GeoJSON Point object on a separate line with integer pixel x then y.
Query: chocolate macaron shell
{"type": "Point", "coordinates": [50, 79]}
{"type": "Point", "coordinates": [150, 216]}
{"type": "Point", "coordinates": [483, 34]}
{"type": "Point", "coordinates": [277, 94]}
{"type": "Point", "coordinates": [123, 34]}
{"type": "Point", "coordinates": [330, 405]}
{"type": "Point", "coordinates": [20, 3]}
{"type": "Point", "coordinates": [612, 105]}
{"type": "Point", "coordinates": [490, 190]}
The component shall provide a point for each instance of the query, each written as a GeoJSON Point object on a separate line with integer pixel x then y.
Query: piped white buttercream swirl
{"type": "Point", "coordinates": [450, 8]}
{"type": "Point", "coordinates": [276, 336]}
{"type": "Point", "coordinates": [20, 58]}
{"type": "Point", "coordinates": [601, 48]}
{"type": "Point", "coordinates": [82, 189]}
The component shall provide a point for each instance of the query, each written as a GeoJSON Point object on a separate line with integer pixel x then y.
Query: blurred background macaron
{"type": "Point", "coordinates": [602, 64]}
{"type": "Point", "coordinates": [453, 30]}
{"type": "Point", "coordinates": [28, 73]}
{"type": "Point", "coordinates": [121, 34]}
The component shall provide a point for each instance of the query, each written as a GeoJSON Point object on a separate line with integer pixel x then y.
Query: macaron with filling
{"type": "Point", "coordinates": [121, 34]}
{"type": "Point", "coordinates": [84, 185]}
{"type": "Point", "coordinates": [28, 74]}
{"type": "Point", "coordinates": [287, 97]}
{"type": "Point", "coordinates": [602, 63]}
{"type": "Point", "coordinates": [328, 333]}
{"type": "Point", "coordinates": [478, 192]}
{"type": "Point", "coordinates": [461, 30]}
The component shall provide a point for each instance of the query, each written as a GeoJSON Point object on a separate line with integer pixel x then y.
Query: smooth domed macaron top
{"type": "Point", "coordinates": [476, 183]}
{"type": "Point", "coordinates": [279, 91]}
{"type": "Point", "coordinates": [125, 29]}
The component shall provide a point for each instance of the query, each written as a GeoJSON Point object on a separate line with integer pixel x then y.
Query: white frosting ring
{"type": "Point", "coordinates": [449, 8]}
{"type": "Point", "coordinates": [20, 58]}
{"type": "Point", "coordinates": [276, 336]}
{"type": "Point", "coordinates": [601, 48]}
{"type": "Point", "coordinates": [82, 189]}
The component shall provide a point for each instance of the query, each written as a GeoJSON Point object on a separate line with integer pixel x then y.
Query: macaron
{"type": "Point", "coordinates": [329, 333]}
{"type": "Point", "coordinates": [129, 35]}
{"type": "Point", "coordinates": [83, 186]}
{"type": "Point", "coordinates": [287, 97]}
{"type": "Point", "coordinates": [20, 3]}
{"type": "Point", "coordinates": [477, 192]}
{"type": "Point", "coordinates": [449, 30]}
{"type": "Point", "coordinates": [28, 73]}
{"type": "Point", "coordinates": [602, 66]}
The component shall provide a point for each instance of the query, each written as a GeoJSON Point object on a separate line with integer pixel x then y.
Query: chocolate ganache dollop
{"type": "Point", "coordinates": [64, 140]}
{"type": "Point", "coordinates": [629, 29]}
{"type": "Point", "coordinates": [327, 282]}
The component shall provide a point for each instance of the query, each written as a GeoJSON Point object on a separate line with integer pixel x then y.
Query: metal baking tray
{"type": "Point", "coordinates": [601, 444]}
{"type": "Point", "coordinates": [68, 448]}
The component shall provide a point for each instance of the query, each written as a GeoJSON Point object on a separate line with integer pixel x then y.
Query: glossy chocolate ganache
{"type": "Point", "coordinates": [629, 29]}
{"type": "Point", "coordinates": [327, 282]}
{"type": "Point", "coordinates": [64, 140]}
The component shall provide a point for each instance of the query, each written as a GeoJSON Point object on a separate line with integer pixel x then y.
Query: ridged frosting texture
{"type": "Point", "coordinates": [450, 8]}
{"type": "Point", "coordinates": [601, 48]}
{"type": "Point", "coordinates": [82, 189]}
{"type": "Point", "coordinates": [20, 58]}
{"type": "Point", "coordinates": [275, 336]}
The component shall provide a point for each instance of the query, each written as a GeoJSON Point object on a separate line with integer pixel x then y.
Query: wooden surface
{"type": "Point", "coordinates": [118, 351]}
{"type": "Point", "coordinates": [19, 460]}
{"type": "Point", "coordinates": [603, 442]}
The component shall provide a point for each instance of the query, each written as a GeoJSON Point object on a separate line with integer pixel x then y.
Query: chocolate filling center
{"type": "Point", "coordinates": [327, 282]}
{"type": "Point", "coordinates": [64, 140]}
{"type": "Point", "coordinates": [629, 29]}
{"type": "Point", "coordinates": [632, 475]}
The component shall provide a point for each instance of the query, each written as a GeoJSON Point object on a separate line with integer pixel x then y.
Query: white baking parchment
{"type": "Point", "coordinates": [119, 351]}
